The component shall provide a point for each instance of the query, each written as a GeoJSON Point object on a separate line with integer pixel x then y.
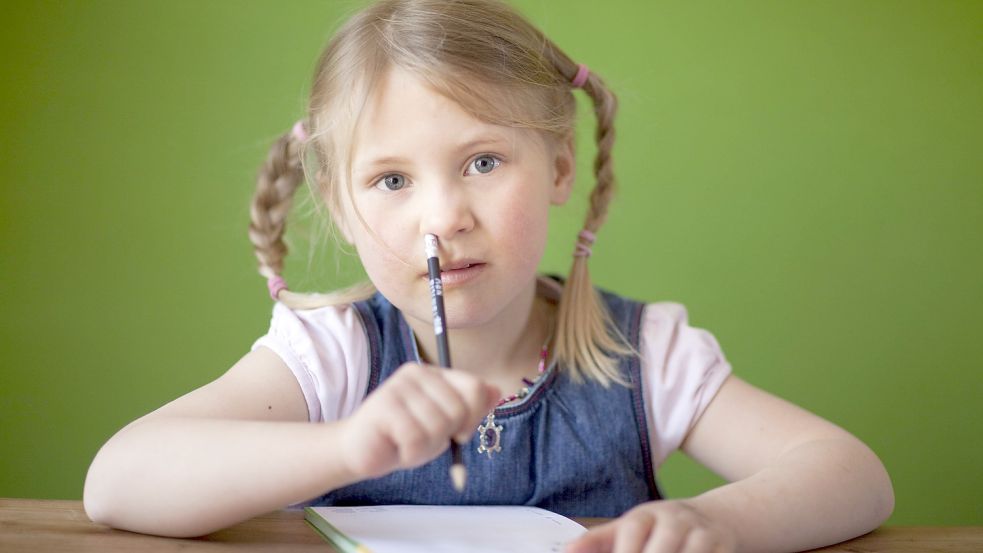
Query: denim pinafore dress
{"type": "Point", "coordinates": [574, 449]}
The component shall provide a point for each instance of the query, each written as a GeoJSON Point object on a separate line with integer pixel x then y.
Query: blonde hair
{"type": "Point", "coordinates": [470, 51]}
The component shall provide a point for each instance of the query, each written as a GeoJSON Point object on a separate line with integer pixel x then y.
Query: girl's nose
{"type": "Point", "coordinates": [446, 211]}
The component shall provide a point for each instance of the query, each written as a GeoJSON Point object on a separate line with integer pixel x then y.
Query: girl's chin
{"type": "Point", "coordinates": [466, 318]}
{"type": "Point", "coordinates": [467, 312]}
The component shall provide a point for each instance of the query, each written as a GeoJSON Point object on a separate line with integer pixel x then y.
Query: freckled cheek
{"type": "Point", "coordinates": [524, 225]}
{"type": "Point", "coordinates": [381, 240]}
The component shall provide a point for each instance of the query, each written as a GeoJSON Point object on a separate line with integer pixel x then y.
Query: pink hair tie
{"type": "Point", "coordinates": [581, 77]}
{"type": "Point", "coordinates": [298, 131]}
{"type": "Point", "coordinates": [586, 239]}
{"type": "Point", "coordinates": [274, 284]}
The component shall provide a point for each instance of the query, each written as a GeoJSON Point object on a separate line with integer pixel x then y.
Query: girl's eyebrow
{"type": "Point", "coordinates": [491, 139]}
{"type": "Point", "coordinates": [387, 160]}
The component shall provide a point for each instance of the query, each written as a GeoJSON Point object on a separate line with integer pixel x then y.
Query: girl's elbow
{"type": "Point", "coordinates": [104, 498]}
{"type": "Point", "coordinates": [94, 506]}
{"type": "Point", "coordinates": [882, 489]}
{"type": "Point", "coordinates": [103, 509]}
{"type": "Point", "coordinates": [101, 502]}
{"type": "Point", "coordinates": [96, 496]}
{"type": "Point", "coordinates": [886, 500]}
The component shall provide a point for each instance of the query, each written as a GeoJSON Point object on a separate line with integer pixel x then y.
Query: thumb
{"type": "Point", "coordinates": [599, 539]}
{"type": "Point", "coordinates": [492, 395]}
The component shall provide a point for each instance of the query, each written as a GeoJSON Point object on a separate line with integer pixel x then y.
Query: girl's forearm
{"type": "Point", "coordinates": [819, 493]}
{"type": "Point", "coordinates": [191, 476]}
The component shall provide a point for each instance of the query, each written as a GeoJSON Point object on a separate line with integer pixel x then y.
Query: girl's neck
{"type": "Point", "coordinates": [502, 351]}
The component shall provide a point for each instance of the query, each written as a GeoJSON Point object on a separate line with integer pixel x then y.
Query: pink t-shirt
{"type": "Point", "coordinates": [682, 366]}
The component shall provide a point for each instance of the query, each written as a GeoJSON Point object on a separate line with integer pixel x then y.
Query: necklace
{"type": "Point", "coordinates": [489, 433]}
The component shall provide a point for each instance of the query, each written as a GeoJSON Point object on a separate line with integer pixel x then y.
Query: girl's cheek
{"type": "Point", "coordinates": [377, 218]}
{"type": "Point", "coordinates": [527, 217]}
{"type": "Point", "coordinates": [393, 236]}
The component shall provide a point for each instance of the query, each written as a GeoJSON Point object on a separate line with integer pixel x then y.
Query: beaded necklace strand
{"type": "Point", "coordinates": [524, 391]}
{"type": "Point", "coordinates": [489, 433]}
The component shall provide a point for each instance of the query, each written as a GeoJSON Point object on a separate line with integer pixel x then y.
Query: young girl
{"type": "Point", "coordinates": [455, 118]}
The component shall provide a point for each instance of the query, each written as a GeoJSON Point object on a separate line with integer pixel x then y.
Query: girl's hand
{"type": "Point", "coordinates": [411, 418]}
{"type": "Point", "coordinates": [658, 527]}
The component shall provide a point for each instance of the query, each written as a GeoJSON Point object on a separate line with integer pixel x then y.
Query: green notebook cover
{"type": "Point", "coordinates": [332, 535]}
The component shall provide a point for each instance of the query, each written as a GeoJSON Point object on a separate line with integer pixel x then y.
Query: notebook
{"type": "Point", "coordinates": [443, 529]}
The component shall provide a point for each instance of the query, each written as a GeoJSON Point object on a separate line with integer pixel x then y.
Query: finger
{"type": "Point", "coordinates": [454, 393]}
{"type": "Point", "coordinates": [474, 388]}
{"type": "Point", "coordinates": [369, 437]}
{"type": "Point", "coordinates": [633, 532]}
{"type": "Point", "coordinates": [492, 395]}
{"type": "Point", "coordinates": [417, 425]}
{"type": "Point", "coordinates": [454, 403]}
{"type": "Point", "coordinates": [426, 410]}
{"type": "Point", "coordinates": [431, 383]}
{"type": "Point", "coordinates": [599, 539]}
{"type": "Point", "coordinates": [478, 396]}
{"type": "Point", "coordinates": [728, 545]}
{"type": "Point", "coordinates": [668, 536]}
{"type": "Point", "coordinates": [409, 435]}
{"type": "Point", "coordinates": [699, 541]}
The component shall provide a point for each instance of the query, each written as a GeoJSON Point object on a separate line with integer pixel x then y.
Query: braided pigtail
{"type": "Point", "coordinates": [586, 337]}
{"type": "Point", "coordinates": [278, 179]}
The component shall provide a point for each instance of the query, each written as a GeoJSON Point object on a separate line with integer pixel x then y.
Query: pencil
{"type": "Point", "coordinates": [458, 473]}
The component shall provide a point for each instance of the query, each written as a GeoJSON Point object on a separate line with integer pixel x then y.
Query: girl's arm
{"type": "Point", "coordinates": [797, 482]}
{"type": "Point", "coordinates": [242, 446]}
{"type": "Point", "coordinates": [227, 451]}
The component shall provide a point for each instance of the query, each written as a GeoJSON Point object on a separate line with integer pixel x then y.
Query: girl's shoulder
{"type": "Point", "coordinates": [666, 329]}
{"type": "Point", "coordinates": [669, 344]}
{"type": "Point", "coordinates": [327, 351]}
{"type": "Point", "coordinates": [682, 367]}
{"type": "Point", "coordinates": [329, 320]}
{"type": "Point", "coordinates": [667, 310]}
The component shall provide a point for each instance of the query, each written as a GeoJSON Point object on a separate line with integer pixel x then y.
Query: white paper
{"type": "Point", "coordinates": [453, 529]}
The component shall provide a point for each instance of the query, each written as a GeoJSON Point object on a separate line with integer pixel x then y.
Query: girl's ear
{"type": "Point", "coordinates": [564, 170]}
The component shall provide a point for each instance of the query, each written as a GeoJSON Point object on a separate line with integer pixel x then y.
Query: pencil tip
{"type": "Point", "coordinates": [458, 475]}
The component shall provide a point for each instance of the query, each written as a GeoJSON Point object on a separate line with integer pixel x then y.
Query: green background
{"type": "Point", "coordinates": [804, 176]}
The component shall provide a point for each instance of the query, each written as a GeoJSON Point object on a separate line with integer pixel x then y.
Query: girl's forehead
{"type": "Point", "coordinates": [404, 103]}
{"type": "Point", "coordinates": [404, 114]}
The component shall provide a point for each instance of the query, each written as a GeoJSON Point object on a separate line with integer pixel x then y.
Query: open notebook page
{"type": "Point", "coordinates": [452, 529]}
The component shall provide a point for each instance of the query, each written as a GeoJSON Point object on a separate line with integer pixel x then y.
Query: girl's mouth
{"type": "Point", "coordinates": [464, 272]}
{"type": "Point", "coordinates": [454, 277]}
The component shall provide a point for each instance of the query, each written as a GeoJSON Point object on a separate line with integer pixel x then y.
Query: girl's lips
{"type": "Point", "coordinates": [456, 277]}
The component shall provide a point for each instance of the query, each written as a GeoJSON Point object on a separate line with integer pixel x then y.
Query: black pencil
{"type": "Point", "coordinates": [458, 473]}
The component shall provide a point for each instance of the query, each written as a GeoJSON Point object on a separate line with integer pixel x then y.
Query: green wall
{"type": "Point", "coordinates": [804, 176]}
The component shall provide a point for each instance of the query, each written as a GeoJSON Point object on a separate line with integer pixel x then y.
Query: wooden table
{"type": "Point", "coordinates": [42, 525]}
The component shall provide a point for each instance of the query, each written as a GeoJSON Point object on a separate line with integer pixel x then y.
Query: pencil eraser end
{"type": "Point", "coordinates": [430, 245]}
{"type": "Point", "coordinates": [458, 476]}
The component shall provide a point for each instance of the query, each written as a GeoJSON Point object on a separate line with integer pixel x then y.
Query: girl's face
{"type": "Point", "coordinates": [421, 164]}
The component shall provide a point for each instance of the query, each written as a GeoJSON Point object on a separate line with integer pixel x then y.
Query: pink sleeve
{"type": "Point", "coordinates": [326, 349]}
{"type": "Point", "coordinates": [682, 369]}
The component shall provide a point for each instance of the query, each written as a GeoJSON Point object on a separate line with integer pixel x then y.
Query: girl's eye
{"type": "Point", "coordinates": [485, 164]}
{"type": "Point", "coordinates": [392, 183]}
